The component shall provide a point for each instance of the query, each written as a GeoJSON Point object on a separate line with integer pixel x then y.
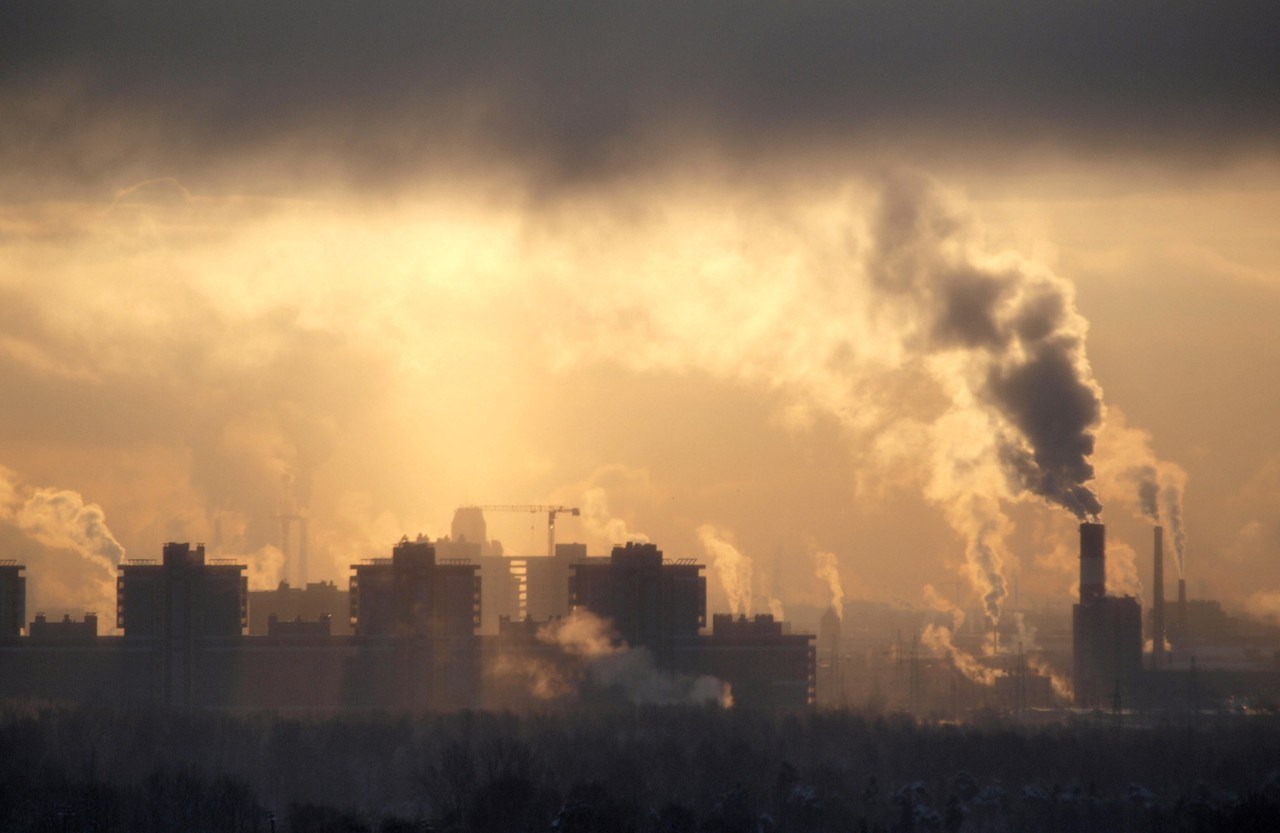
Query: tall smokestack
{"type": "Point", "coordinates": [1157, 601]}
{"type": "Point", "coordinates": [1182, 615]}
{"type": "Point", "coordinates": [302, 552]}
{"type": "Point", "coordinates": [1093, 562]}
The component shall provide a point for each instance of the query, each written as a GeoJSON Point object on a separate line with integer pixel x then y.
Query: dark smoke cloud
{"type": "Point", "coordinates": [1055, 407]}
{"type": "Point", "coordinates": [1146, 480]}
{"type": "Point", "coordinates": [366, 93]}
{"type": "Point", "coordinates": [1016, 327]}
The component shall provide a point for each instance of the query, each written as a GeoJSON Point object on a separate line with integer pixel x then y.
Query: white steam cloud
{"type": "Point", "coordinates": [602, 523]}
{"type": "Point", "coordinates": [590, 656]}
{"type": "Point", "coordinates": [732, 568]}
{"type": "Point", "coordinates": [936, 601]}
{"type": "Point", "coordinates": [266, 568]}
{"type": "Point", "coordinates": [827, 568]}
{"type": "Point", "coordinates": [939, 640]}
{"type": "Point", "coordinates": [1132, 473]}
{"type": "Point", "coordinates": [61, 521]}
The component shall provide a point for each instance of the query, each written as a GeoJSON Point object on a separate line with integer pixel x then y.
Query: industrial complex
{"type": "Point", "coordinates": [453, 623]}
{"type": "Point", "coordinates": [412, 639]}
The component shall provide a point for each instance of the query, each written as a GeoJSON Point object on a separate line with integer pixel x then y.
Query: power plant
{"type": "Point", "coordinates": [1106, 630]}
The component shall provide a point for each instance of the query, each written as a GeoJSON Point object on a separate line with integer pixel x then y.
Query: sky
{"type": "Point", "coordinates": [907, 288]}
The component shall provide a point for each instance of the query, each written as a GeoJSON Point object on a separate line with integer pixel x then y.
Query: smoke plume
{"type": "Point", "coordinates": [1060, 682]}
{"type": "Point", "coordinates": [1265, 605]}
{"type": "Point", "coordinates": [601, 522]}
{"type": "Point", "coordinates": [1013, 331]}
{"type": "Point", "coordinates": [61, 521]}
{"type": "Point", "coordinates": [590, 657]}
{"type": "Point", "coordinates": [731, 566]}
{"type": "Point", "coordinates": [894, 291]}
{"type": "Point", "coordinates": [1123, 577]}
{"type": "Point", "coordinates": [938, 639]}
{"type": "Point", "coordinates": [1003, 339]}
{"type": "Point", "coordinates": [828, 569]}
{"type": "Point", "coordinates": [1025, 641]}
{"type": "Point", "coordinates": [936, 601]}
{"type": "Point", "coordinates": [1131, 472]}
{"type": "Point", "coordinates": [266, 567]}
{"type": "Point", "coordinates": [1171, 504]}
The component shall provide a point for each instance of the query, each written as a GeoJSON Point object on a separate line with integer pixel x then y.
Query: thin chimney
{"type": "Point", "coordinates": [1182, 617]}
{"type": "Point", "coordinates": [1157, 602]}
{"type": "Point", "coordinates": [302, 552]}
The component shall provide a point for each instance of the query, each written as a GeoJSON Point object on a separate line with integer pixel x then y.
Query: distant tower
{"type": "Point", "coordinates": [1157, 601]}
{"type": "Point", "coordinates": [469, 525]}
{"type": "Point", "coordinates": [13, 599]}
{"type": "Point", "coordinates": [1182, 642]}
{"type": "Point", "coordinates": [829, 638]}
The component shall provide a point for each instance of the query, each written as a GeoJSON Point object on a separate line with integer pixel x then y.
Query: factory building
{"type": "Point", "coordinates": [414, 644]}
{"type": "Point", "coordinates": [178, 605]}
{"type": "Point", "coordinates": [410, 594]}
{"type": "Point", "coordinates": [764, 666]}
{"type": "Point", "coordinates": [1106, 630]}
{"type": "Point", "coordinates": [183, 597]}
{"type": "Point", "coordinates": [41, 629]}
{"type": "Point", "coordinates": [309, 603]}
{"type": "Point", "coordinates": [321, 626]}
{"type": "Point", "coordinates": [546, 593]}
{"type": "Point", "coordinates": [13, 599]}
{"type": "Point", "coordinates": [652, 604]}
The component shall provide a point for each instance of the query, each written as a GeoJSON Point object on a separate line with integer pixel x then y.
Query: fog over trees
{"type": "Point", "coordinates": [626, 769]}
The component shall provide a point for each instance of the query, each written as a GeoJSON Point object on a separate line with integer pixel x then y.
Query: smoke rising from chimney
{"type": "Point", "coordinates": [1013, 330]}
{"type": "Point", "coordinates": [938, 639]}
{"type": "Point", "coordinates": [266, 567]}
{"type": "Point", "coordinates": [59, 519]}
{"type": "Point", "coordinates": [590, 657]}
{"type": "Point", "coordinates": [874, 295]}
{"type": "Point", "coordinates": [828, 569]}
{"type": "Point", "coordinates": [940, 603]}
{"type": "Point", "coordinates": [1132, 473]}
{"type": "Point", "coordinates": [732, 568]}
{"type": "Point", "coordinates": [1025, 639]}
{"type": "Point", "coordinates": [599, 495]}
{"type": "Point", "coordinates": [831, 306]}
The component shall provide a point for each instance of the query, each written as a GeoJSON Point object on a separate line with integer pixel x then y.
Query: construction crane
{"type": "Point", "coordinates": [551, 511]}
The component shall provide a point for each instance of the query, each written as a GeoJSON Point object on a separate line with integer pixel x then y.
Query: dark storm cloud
{"type": "Point", "coordinates": [582, 89]}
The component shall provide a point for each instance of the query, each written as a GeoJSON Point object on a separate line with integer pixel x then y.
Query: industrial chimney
{"type": "Point", "coordinates": [1157, 602]}
{"type": "Point", "coordinates": [1182, 617]}
{"type": "Point", "coordinates": [302, 551]}
{"type": "Point", "coordinates": [1093, 562]}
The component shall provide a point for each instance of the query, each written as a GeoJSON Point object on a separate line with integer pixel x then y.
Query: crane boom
{"type": "Point", "coordinates": [550, 510]}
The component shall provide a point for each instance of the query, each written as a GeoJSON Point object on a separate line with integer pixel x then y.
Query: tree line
{"type": "Point", "coordinates": [682, 769]}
